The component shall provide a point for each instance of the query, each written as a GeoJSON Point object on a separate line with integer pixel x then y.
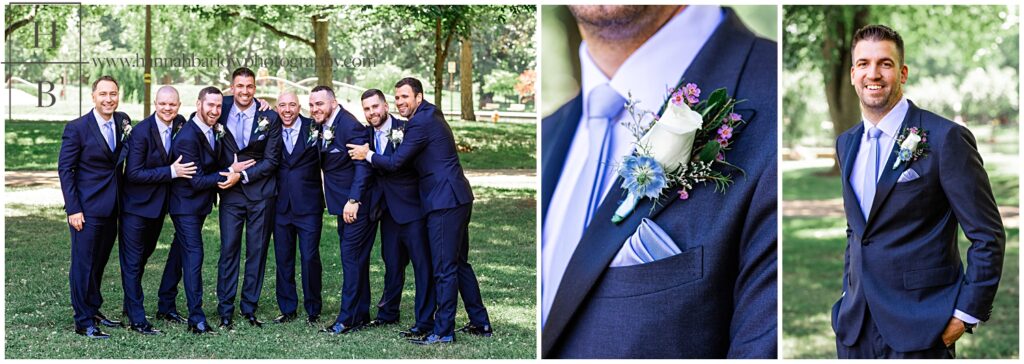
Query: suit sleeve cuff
{"type": "Point", "coordinates": [173, 173]}
{"type": "Point", "coordinates": [965, 317]}
{"type": "Point", "coordinates": [369, 157]}
{"type": "Point", "coordinates": [245, 178]}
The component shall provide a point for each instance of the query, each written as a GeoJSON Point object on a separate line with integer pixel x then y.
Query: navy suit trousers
{"type": "Point", "coordinates": [356, 244]}
{"type": "Point", "coordinates": [137, 243]}
{"type": "Point", "coordinates": [90, 250]}
{"type": "Point", "coordinates": [307, 228]}
{"type": "Point", "coordinates": [448, 231]}
{"type": "Point", "coordinates": [168, 292]}
{"type": "Point", "coordinates": [401, 243]}
{"type": "Point", "coordinates": [256, 216]}
{"type": "Point", "coordinates": [871, 345]}
{"type": "Point", "coordinates": [189, 229]}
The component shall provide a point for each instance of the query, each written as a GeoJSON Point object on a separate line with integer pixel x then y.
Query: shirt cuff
{"type": "Point", "coordinates": [245, 178]}
{"type": "Point", "coordinates": [173, 174]}
{"type": "Point", "coordinates": [965, 317]}
{"type": "Point", "coordinates": [369, 156]}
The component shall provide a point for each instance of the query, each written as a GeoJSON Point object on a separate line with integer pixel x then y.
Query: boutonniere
{"type": "Point", "coordinates": [177, 128]}
{"type": "Point", "coordinates": [314, 133]}
{"type": "Point", "coordinates": [126, 129]}
{"type": "Point", "coordinates": [396, 135]}
{"type": "Point", "coordinates": [677, 150]}
{"type": "Point", "coordinates": [262, 124]}
{"type": "Point", "coordinates": [218, 131]}
{"type": "Point", "coordinates": [329, 134]}
{"type": "Point", "coordinates": [913, 144]}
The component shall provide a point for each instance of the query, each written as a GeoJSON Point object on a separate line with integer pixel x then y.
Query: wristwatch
{"type": "Point", "coordinates": [969, 328]}
{"type": "Point", "coordinates": [354, 201]}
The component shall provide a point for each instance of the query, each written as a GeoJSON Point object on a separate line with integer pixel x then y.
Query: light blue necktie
{"type": "Point", "coordinates": [209, 138]}
{"type": "Point", "coordinates": [167, 140]}
{"type": "Point", "coordinates": [239, 130]}
{"type": "Point", "coordinates": [108, 133]}
{"type": "Point", "coordinates": [380, 141]}
{"type": "Point", "coordinates": [288, 140]}
{"type": "Point", "coordinates": [871, 172]}
{"type": "Point", "coordinates": [604, 105]}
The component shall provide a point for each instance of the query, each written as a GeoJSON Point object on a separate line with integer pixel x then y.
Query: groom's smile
{"type": "Point", "coordinates": [877, 75]}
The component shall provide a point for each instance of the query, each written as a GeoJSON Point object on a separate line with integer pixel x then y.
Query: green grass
{"type": "Point", "coordinates": [34, 145]}
{"type": "Point", "coordinates": [38, 309]}
{"type": "Point", "coordinates": [813, 184]}
{"type": "Point", "coordinates": [812, 259]}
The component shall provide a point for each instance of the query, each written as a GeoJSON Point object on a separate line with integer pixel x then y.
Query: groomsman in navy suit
{"type": "Point", "coordinates": [907, 293]}
{"type": "Point", "coordinates": [299, 213]}
{"type": "Point", "coordinates": [716, 296]}
{"type": "Point", "coordinates": [252, 135]}
{"type": "Point", "coordinates": [90, 167]}
{"type": "Point", "coordinates": [199, 141]}
{"type": "Point", "coordinates": [149, 170]}
{"type": "Point", "coordinates": [346, 183]}
{"type": "Point", "coordinates": [446, 197]}
{"type": "Point", "coordinates": [403, 230]}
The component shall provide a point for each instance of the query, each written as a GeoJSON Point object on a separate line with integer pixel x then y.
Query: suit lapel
{"type": "Point", "coordinates": [850, 200]}
{"type": "Point", "coordinates": [557, 134]}
{"type": "Point", "coordinates": [90, 121]}
{"type": "Point", "coordinates": [890, 175]}
{"type": "Point", "coordinates": [715, 66]}
{"type": "Point", "coordinates": [154, 134]}
{"type": "Point", "coordinates": [300, 141]}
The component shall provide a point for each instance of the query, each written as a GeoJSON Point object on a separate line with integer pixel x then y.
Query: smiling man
{"type": "Point", "coordinates": [910, 178]}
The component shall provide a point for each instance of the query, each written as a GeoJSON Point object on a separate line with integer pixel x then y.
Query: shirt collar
{"type": "Point", "coordinates": [660, 62]}
{"type": "Point", "coordinates": [386, 125]}
{"type": "Point", "coordinates": [330, 121]}
{"type": "Point", "coordinates": [202, 126]}
{"type": "Point", "coordinates": [295, 126]}
{"type": "Point", "coordinates": [99, 119]}
{"type": "Point", "coordinates": [890, 123]}
{"type": "Point", "coordinates": [160, 126]}
{"type": "Point", "coordinates": [250, 113]}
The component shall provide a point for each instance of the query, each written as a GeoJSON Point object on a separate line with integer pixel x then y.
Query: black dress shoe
{"type": "Point", "coordinates": [226, 323]}
{"type": "Point", "coordinates": [92, 332]}
{"type": "Point", "coordinates": [285, 317]}
{"type": "Point", "coordinates": [103, 320]}
{"type": "Point", "coordinates": [200, 328]}
{"type": "Point", "coordinates": [172, 317]}
{"type": "Point", "coordinates": [471, 329]}
{"type": "Point", "coordinates": [413, 333]}
{"type": "Point", "coordinates": [340, 329]}
{"type": "Point", "coordinates": [145, 329]}
{"type": "Point", "coordinates": [313, 319]}
{"type": "Point", "coordinates": [434, 340]}
{"type": "Point", "coordinates": [252, 320]}
{"type": "Point", "coordinates": [379, 322]}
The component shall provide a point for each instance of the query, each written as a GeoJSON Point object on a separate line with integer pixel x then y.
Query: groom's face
{"type": "Point", "coordinates": [878, 74]}
{"type": "Point", "coordinates": [375, 109]}
{"type": "Point", "coordinates": [407, 100]}
{"type": "Point", "coordinates": [321, 105]}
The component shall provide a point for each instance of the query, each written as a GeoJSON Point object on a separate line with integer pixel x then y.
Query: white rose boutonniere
{"type": "Point", "coordinates": [263, 124]}
{"type": "Point", "coordinates": [396, 136]}
{"type": "Point", "coordinates": [328, 135]}
{"type": "Point", "coordinates": [126, 127]}
{"type": "Point", "coordinates": [913, 143]}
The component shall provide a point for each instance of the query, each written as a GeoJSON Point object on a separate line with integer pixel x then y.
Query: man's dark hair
{"type": "Point", "coordinates": [105, 78]}
{"type": "Point", "coordinates": [877, 33]}
{"type": "Point", "coordinates": [328, 89]}
{"type": "Point", "coordinates": [208, 90]}
{"type": "Point", "coordinates": [242, 71]}
{"type": "Point", "coordinates": [373, 92]}
{"type": "Point", "coordinates": [416, 85]}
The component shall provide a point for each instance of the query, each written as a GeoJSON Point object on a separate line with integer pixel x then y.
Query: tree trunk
{"type": "Point", "coordinates": [466, 78]}
{"type": "Point", "coordinates": [321, 49]}
{"type": "Point", "coordinates": [843, 102]}
{"type": "Point", "coordinates": [147, 74]}
{"type": "Point", "coordinates": [441, 55]}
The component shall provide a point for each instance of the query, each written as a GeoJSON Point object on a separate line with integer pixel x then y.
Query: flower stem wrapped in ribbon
{"type": "Point", "coordinates": [679, 148]}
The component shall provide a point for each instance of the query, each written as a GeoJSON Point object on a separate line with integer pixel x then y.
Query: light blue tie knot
{"type": "Point", "coordinates": [605, 102]}
{"type": "Point", "coordinates": [874, 133]}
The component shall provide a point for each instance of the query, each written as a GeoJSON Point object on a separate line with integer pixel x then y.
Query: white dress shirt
{"type": "Point", "coordinates": [100, 122]}
{"type": "Point", "coordinates": [649, 71]}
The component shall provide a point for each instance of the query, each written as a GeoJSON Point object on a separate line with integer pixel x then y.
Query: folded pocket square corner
{"type": "Point", "coordinates": [648, 244]}
{"type": "Point", "coordinates": [909, 175]}
{"type": "Point", "coordinates": [335, 150]}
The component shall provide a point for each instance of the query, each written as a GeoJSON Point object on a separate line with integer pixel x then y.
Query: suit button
{"type": "Point", "coordinates": [865, 242]}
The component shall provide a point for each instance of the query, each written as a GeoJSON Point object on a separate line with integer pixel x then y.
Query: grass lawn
{"type": "Point", "coordinates": [812, 258]}
{"type": "Point", "coordinates": [38, 310]}
{"type": "Point", "coordinates": [34, 145]}
{"type": "Point", "coordinates": [812, 184]}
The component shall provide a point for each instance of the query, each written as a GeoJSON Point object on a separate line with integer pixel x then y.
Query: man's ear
{"type": "Point", "coordinates": [904, 74]}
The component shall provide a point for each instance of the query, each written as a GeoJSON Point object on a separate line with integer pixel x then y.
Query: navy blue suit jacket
{"type": "Point", "coordinates": [263, 147]}
{"type": "Point", "coordinates": [298, 174]}
{"type": "Point", "coordinates": [717, 298]}
{"type": "Point", "coordinates": [430, 146]}
{"type": "Point", "coordinates": [196, 196]}
{"type": "Point", "coordinates": [903, 263]}
{"type": "Point", "coordinates": [344, 178]}
{"type": "Point", "coordinates": [90, 173]}
{"type": "Point", "coordinates": [399, 189]}
{"type": "Point", "coordinates": [147, 169]}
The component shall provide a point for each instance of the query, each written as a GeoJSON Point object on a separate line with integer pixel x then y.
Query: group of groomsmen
{"type": "Point", "coordinates": [274, 172]}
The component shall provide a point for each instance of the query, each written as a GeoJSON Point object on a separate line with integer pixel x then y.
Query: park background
{"type": "Point", "coordinates": [963, 63]}
{"type": "Point", "coordinates": [477, 63]}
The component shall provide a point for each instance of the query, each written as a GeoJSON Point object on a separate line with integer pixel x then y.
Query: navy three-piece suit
{"type": "Point", "coordinates": [346, 179]}
{"type": "Point", "coordinates": [403, 235]}
{"type": "Point", "coordinates": [90, 178]}
{"type": "Point", "coordinates": [715, 299]}
{"type": "Point", "coordinates": [903, 275]}
{"type": "Point", "coordinates": [146, 198]}
{"type": "Point", "coordinates": [299, 213]}
{"type": "Point", "coordinates": [447, 199]}
{"type": "Point", "coordinates": [249, 204]}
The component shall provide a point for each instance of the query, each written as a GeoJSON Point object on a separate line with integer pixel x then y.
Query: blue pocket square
{"type": "Point", "coordinates": [648, 244]}
{"type": "Point", "coordinates": [262, 136]}
{"type": "Point", "coordinates": [908, 175]}
{"type": "Point", "coordinates": [335, 150]}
